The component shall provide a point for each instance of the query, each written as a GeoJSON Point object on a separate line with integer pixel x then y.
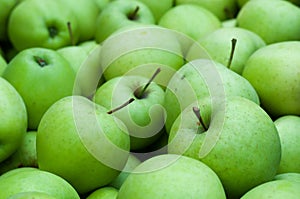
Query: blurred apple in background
{"type": "Point", "coordinates": [234, 136]}
{"type": "Point", "coordinates": [223, 9]}
{"type": "Point", "coordinates": [172, 176]}
{"type": "Point", "coordinates": [31, 194]}
{"type": "Point", "coordinates": [13, 118]}
{"type": "Point", "coordinates": [288, 127]}
{"type": "Point", "coordinates": [34, 180]}
{"type": "Point", "coordinates": [41, 76]}
{"type": "Point", "coordinates": [201, 78]}
{"type": "Point", "coordinates": [193, 20]}
{"type": "Point", "coordinates": [6, 6]}
{"type": "Point", "coordinates": [3, 64]}
{"type": "Point", "coordinates": [36, 24]}
{"type": "Point", "coordinates": [140, 51]}
{"type": "Point", "coordinates": [119, 14]}
{"type": "Point", "coordinates": [104, 193]}
{"type": "Point", "coordinates": [25, 156]}
{"type": "Point", "coordinates": [218, 46]}
{"type": "Point", "coordinates": [273, 21]}
{"type": "Point", "coordinates": [79, 141]}
{"type": "Point", "coordinates": [276, 78]}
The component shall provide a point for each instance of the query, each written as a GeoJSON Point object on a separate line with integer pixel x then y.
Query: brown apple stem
{"type": "Point", "coordinates": [141, 93]}
{"type": "Point", "coordinates": [71, 33]}
{"type": "Point", "coordinates": [196, 111]}
{"type": "Point", "coordinates": [121, 106]}
{"type": "Point", "coordinates": [233, 45]}
{"type": "Point", "coordinates": [40, 61]}
{"type": "Point", "coordinates": [133, 15]}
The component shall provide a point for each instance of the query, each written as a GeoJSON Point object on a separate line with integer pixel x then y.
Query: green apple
{"type": "Point", "coordinates": [273, 21]}
{"type": "Point", "coordinates": [25, 156]}
{"type": "Point", "coordinates": [223, 9]}
{"type": "Point", "coordinates": [172, 176]}
{"type": "Point", "coordinates": [29, 179]}
{"type": "Point", "coordinates": [198, 79]}
{"type": "Point", "coordinates": [13, 118]}
{"type": "Point", "coordinates": [86, 13]}
{"type": "Point", "coordinates": [158, 8]}
{"type": "Point", "coordinates": [6, 6]}
{"type": "Point", "coordinates": [3, 64]}
{"type": "Point", "coordinates": [217, 46]}
{"type": "Point", "coordinates": [193, 20]}
{"type": "Point", "coordinates": [288, 127]}
{"type": "Point", "coordinates": [276, 189]}
{"type": "Point", "coordinates": [36, 24]}
{"type": "Point", "coordinates": [276, 78]}
{"type": "Point", "coordinates": [41, 76]}
{"type": "Point", "coordinates": [294, 177]}
{"type": "Point", "coordinates": [32, 195]}
{"type": "Point", "coordinates": [140, 51]}
{"type": "Point", "coordinates": [104, 193]}
{"type": "Point", "coordinates": [101, 4]}
{"type": "Point", "coordinates": [118, 14]}
{"type": "Point", "coordinates": [85, 63]}
{"type": "Point", "coordinates": [130, 165]}
{"type": "Point", "coordinates": [234, 136]}
{"type": "Point", "coordinates": [91, 151]}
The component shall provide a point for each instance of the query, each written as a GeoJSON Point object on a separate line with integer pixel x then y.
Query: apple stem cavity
{"type": "Point", "coordinates": [40, 61]}
{"type": "Point", "coordinates": [133, 15]}
{"type": "Point", "coordinates": [196, 111]}
{"type": "Point", "coordinates": [121, 106]}
{"type": "Point", "coordinates": [140, 93]}
{"type": "Point", "coordinates": [52, 31]}
{"type": "Point", "coordinates": [70, 33]}
{"type": "Point", "coordinates": [233, 45]}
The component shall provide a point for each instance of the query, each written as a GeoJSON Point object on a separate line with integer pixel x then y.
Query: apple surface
{"type": "Point", "coordinates": [223, 9]}
{"type": "Point", "coordinates": [29, 179]}
{"type": "Point", "coordinates": [202, 78]}
{"type": "Point", "coordinates": [273, 21]}
{"type": "Point", "coordinates": [288, 127]}
{"type": "Point", "coordinates": [13, 118]}
{"type": "Point", "coordinates": [118, 14]}
{"type": "Point", "coordinates": [36, 24]}
{"type": "Point", "coordinates": [172, 176]}
{"type": "Point", "coordinates": [3, 65]}
{"type": "Point", "coordinates": [234, 136]}
{"type": "Point", "coordinates": [6, 6]}
{"type": "Point", "coordinates": [91, 151]}
{"type": "Point", "coordinates": [104, 193]}
{"type": "Point", "coordinates": [217, 46]}
{"type": "Point", "coordinates": [32, 195]}
{"type": "Point", "coordinates": [143, 50]}
{"type": "Point", "coordinates": [38, 75]}
{"type": "Point", "coordinates": [273, 73]}
{"type": "Point", "coordinates": [197, 23]}
{"type": "Point", "coordinates": [290, 176]}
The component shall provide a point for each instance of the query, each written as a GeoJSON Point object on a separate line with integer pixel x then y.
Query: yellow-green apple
{"type": "Point", "coordinates": [41, 76]}
{"type": "Point", "coordinates": [223, 9]}
{"type": "Point", "coordinates": [218, 46]}
{"type": "Point", "coordinates": [172, 176]}
{"type": "Point", "coordinates": [273, 73]}
{"type": "Point", "coordinates": [13, 118]}
{"type": "Point", "coordinates": [3, 64]}
{"type": "Point", "coordinates": [118, 14]}
{"type": "Point", "coordinates": [104, 193]}
{"type": "Point", "coordinates": [145, 116]}
{"type": "Point", "coordinates": [202, 78]}
{"type": "Point", "coordinates": [197, 23]}
{"type": "Point", "coordinates": [273, 21]}
{"type": "Point", "coordinates": [91, 151]}
{"type": "Point", "coordinates": [35, 24]}
{"type": "Point", "coordinates": [28, 179]}
{"type": "Point", "coordinates": [234, 136]}
{"type": "Point", "coordinates": [140, 51]}
{"type": "Point", "coordinates": [288, 127]}
{"type": "Point", "coordinates": [6, 6]}
{"type": "Point", "coordinates": [31, 194]}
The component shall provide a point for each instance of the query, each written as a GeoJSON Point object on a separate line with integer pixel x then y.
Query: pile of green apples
{"type": "Point", "coordinates": [149, 99]}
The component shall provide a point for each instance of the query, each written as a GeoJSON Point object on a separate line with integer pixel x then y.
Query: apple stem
{"type": "Point", "coordinates": [233, 45]}
{"type": "Point", "coordinates": [121, 106]}
{"type": "Point", "coordinates": [133, 15]}
{"type": "Point", "coordinates": [196, 110]}
{"type": "Point", "coordinates": [40, 61]}
{"type": "Point", "coordinates": [141, 93]}
{"type": "Point", "coordinates": [71, 33]}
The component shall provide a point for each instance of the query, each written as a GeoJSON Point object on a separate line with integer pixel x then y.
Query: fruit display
{"type": "Point", "coordinates": [143, 99]}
